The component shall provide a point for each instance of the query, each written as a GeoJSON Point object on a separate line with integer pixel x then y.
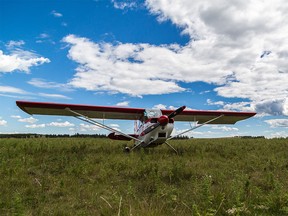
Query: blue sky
{"type": "Point", "coordinates": [208, 55]}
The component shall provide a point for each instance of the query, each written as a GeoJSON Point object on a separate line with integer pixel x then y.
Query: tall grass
{"type": "Point", "coordinates": [71, 176]}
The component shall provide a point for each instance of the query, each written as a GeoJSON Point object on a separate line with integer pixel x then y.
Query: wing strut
{"type": "Point", "coordinates": [195, 127]}
{"type": "Point", "coordinates": [91, 121]}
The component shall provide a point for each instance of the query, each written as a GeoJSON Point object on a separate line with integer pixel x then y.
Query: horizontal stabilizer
{"type": "Point", "coordinates": [115, 136]}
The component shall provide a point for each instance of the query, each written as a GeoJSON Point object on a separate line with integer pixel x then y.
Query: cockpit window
{"type": "Point", "coordinates": [152, 113]}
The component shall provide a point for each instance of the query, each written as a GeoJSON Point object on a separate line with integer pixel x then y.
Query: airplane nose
{"type": "Point", "coordinates": [163, 120]}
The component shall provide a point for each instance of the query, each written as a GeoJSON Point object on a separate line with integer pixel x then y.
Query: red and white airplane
{"type": "Point", "coordinates": [153, 126]}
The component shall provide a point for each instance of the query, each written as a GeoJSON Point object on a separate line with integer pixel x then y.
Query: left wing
{"type": "Point", "coordinates": [100, 112]}
{"type": "Point", "coordinates": [203, 116]}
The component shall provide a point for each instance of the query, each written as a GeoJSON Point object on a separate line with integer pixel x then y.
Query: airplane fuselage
{"type": "Point", "coordinates": [155, 137]}
{"type": "Point", "coordinates": [151, 130]}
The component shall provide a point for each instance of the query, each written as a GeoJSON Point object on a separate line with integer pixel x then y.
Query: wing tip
{"type": "Point", "coordinates": [20, 104]}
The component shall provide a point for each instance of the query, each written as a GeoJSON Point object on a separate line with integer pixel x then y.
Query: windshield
{"type": "Point", "coordinates": [152, 113]}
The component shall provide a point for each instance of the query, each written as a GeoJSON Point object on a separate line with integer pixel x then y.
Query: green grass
{"type": "Point", "coordinates": [71, 176]}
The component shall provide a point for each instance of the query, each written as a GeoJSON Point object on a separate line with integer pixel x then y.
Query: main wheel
{"type": "Point", "coordinates": [126, 149]}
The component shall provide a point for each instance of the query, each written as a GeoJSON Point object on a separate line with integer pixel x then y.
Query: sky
{"type": "Point", "coordinates": [207, 55]}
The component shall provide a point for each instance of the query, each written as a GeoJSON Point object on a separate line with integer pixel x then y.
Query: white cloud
{"type": "Point", "coordinates": [285, 107]}
{"type": "Point", "coordinates": [56, 14]}
{"type": "Point", "coordinates": [137, 69]}
{"type": "Point", "coordinates": [12, 44]}
{"type": "Point", "coordinates": [123, 104]}
{"type": "Point", "coordinates": [60, 124]}
{"type": "Point", "coordinates": [41, 83]}
{"type": "Point", "coordinates": [29, 120]}
{"type": "Point", "coordinates": [159, 106]}
{"type": "Point", "coordinates": [250, 39]}
{"type": "Point", "coordinates": [224, 128]}
{"type": "Point", "coordinates": [10, 89]}
{"type": "Point", "coordinates": [20, 60]}
{"type": "Point", "coordinates": [278, 134]}
{"type": "Point", "coordinates": [217, 103]}
{"type": "Point", "coordinates": [56, 96]}
{"type": "Point", "coordinates": [241, 47]}
{"type": "Point", "coordinates": [277, 122]}
{"type": "Point", "coordinates": [87, 127]}
{"type": "Point", "coordinates": [15, 116]}
{"type": "Point", "coordinates": [35, 126]}
{"type": "Point", "coordinates": [3, 122]}
{"type": "Point", "coordinates": [44, 36]}
{"type": "Point", "coordinates": [13, 90]}
{"type": "Point", "coordinates": [244, 106]}
{"type": "Point", "coordinates": [114, 125]}
{"type": "Point", "coordinates": [118, 4]}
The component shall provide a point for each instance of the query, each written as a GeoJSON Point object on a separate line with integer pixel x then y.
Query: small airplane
{"type": "Point", "coordinates": [153, 127]}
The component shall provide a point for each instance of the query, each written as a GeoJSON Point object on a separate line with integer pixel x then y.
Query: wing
{"type": "Point", "coordinates": [204, 116]}
{"type": "Point", "coordinates": [112, 112]}
{"type": "Point", "coordinates": [101, 112]}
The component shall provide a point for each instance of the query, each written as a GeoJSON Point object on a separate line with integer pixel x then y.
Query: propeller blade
{"type": "Point", "coordinates": [176, 112]}
{"type": "Point", "coordinates": [151, 128]}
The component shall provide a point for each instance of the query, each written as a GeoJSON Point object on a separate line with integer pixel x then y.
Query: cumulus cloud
{"type": "Point", "coordinates": [277, 122]}
{"type": "Point", "coordinates": [278, 134]}
{"type": "Point", "coordinates": [138, 69]}
{"type": "Point", "coordinates": [29, 120]}
{"type": "Point", "coordinates": [224, 128]}
{"type": "Point", "coordinates": [247, 38]}
{"type": "Point", "coordinates": [165, 107]}
{"type": "Point", "coordinates": [20, 60]}
{"type": "Point", "coordinates": [3, 122]}
{"type": "Point", "coordinates": [60, 124]}
{"type": "Point", "coordinates": [99, 70]}
{"type": "Point", "coordinates": [217, 103]}
{"type": "Point", "coordinates": [159, 106]}
{"type": "Point", "coordinates": [87, 127]}
{"type": "Point", "coordinates": [242, 48]}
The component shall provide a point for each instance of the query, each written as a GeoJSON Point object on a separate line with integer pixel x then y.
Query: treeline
{"type": "Point", "coordinates": [34, 135]}
{"type": "Point", "coordinates": [251, 137]}
{"type": "Point", "coordinates": [24, 135]}
{"type": "Point", "coordinates": [181, 137]}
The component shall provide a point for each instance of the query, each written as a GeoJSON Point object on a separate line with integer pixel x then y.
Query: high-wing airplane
{"type": "Point", "coordinates": [153, 126]}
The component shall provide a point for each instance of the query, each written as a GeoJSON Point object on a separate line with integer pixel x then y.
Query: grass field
{"type": "Point", "coordinates": [71, 176]}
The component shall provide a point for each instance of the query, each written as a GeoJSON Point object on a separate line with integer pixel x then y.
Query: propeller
{"type": "Point", "coordinates": [163, 120]}
{"type": "Point", "coordinates": [176, 112]}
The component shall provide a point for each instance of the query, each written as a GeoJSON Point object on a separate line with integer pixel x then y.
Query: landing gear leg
{"type": "Point", "coordinates": [171, 147]}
